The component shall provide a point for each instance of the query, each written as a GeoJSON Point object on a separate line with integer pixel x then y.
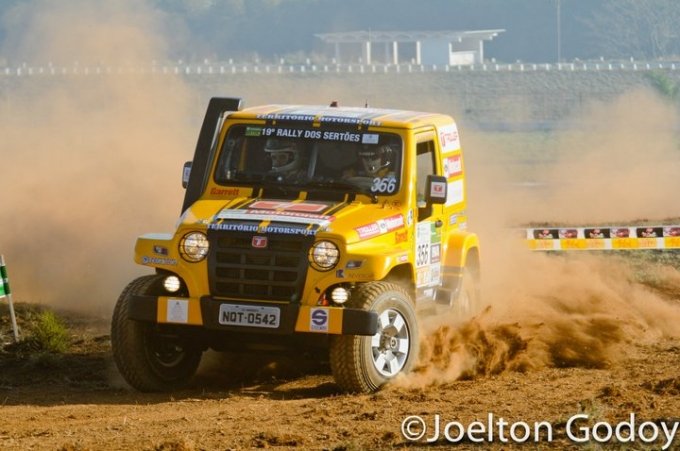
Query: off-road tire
{"type": "Point", "coordinates": [459, 297]}
{"type": "Point", "coordinates": [353, 357]}
{"type": "Point", "coordinates": [468, 301]}
{"type": "Point", "coordinates": [137, 347]}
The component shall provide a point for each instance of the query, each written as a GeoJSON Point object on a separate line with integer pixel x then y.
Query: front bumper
{"type": "Point", "coordinates": [294, 318]}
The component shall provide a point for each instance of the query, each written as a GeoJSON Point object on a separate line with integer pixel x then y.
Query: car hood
{"type": "Point", "coordinates": [354, 221]}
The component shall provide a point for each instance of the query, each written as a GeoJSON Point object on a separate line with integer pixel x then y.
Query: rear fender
{"type": "Point", "coordinates": [462, 253]}
{"type": "Point", "coordinates": [462, 250]}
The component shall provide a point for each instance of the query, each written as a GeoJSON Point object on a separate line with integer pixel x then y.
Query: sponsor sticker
{"type": "Point", "coordinates": [285, 132]}
{"type": "Point", "coordinates": [381, 226]}
{"type": "Point", "coordinates": [224, 191]}
{"type": "Point", "coordinates": [435, 253]}
{"type": "Point", "coordinates": [671, 231]}
{"type": "Point", "coordinates": [455, 194]}
{"type": "Point", "coordinates": [596, 233]}
{"type": "Point", "coordinates": [453, 166]}
{"type": "Point", "coordinates": [310, 116]}
{"type": "Point", "coordinates": [273, 215]}
{"type": "Point", "coordinates": [295, 133]}
{"type": "Point", "coordinates": [604, 238]}
{"type": "Point", "coordinates": [370, 138]}
{"type": "Point", "coordinates": [253, 131]}
{"type": "Point", "coordinates": [423, 241]}
{"type": "Point", "coordinates": [568, 233]}
{"type": "Point", "coordinates": [545, 234]}
{"type": "Point", "coordinates": [596, 244]}
{"type": "Point", "coordinates": [649, 232]}
{"type": "Point", "coordinates": [178, 311]}
{"type": "Point", "coordinates": [620, 232]}
{"type": "Point", "coordinates": [186, 174]}
{"type": "Point", "coordinates": [160, 250]}
{"type": "Point", "coordinates": [158, 261]}
{"type": "Point", "coordinates": [309, 207]}
{"type": "Point", "coordinates": [318, 320]}
{"type": "Point", "coordinates": [545, 244]}
{"type": "Point", "coordinates": [354, 264]}
{"type": "Point", "coordinates": [438, 190]}
{"type": "Point", "coordinates": [400, 236]}
{"type": "Point", "coordinates": [368, 230]}
{"type": "Point", "coordinates": [672, 242]}
{"type": "Point", "coordinates": [259, 242]}
{"type": "Point", "coordinates": [448, 138]}
{"type": "Point", "coordinates": [428, 254]}
{"type": "Point", "coordinates": [255, 228]}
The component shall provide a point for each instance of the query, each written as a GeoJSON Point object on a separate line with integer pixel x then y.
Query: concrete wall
{"type": "Point", "coordinates": [497, 99]}
{"type": "Point", "coordinates": [488, 99]}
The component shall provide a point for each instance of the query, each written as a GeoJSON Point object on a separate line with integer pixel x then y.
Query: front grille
{"type": "Point", "coordinates": [240, 271]}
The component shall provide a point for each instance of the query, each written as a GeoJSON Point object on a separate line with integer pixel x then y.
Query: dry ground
{"type": "Point", "coordinates": [76, 401]}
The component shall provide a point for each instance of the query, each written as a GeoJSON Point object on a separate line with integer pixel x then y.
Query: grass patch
{"type": "Point", "coordinates": [49, 333]}
{"type": "Point", "coordinates": [41, 332]}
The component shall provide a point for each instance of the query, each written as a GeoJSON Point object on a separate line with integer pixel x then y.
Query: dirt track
{"type": "Point", "coordinates": [77, 402]}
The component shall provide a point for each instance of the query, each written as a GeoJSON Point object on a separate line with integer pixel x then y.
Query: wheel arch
{"type": "Point", "coordinates": [404, 276]}
{"type": "Point", "coordinates": [463, 250]}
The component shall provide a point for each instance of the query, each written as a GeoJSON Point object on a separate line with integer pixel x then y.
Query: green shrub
{"type": "Point", "coordinates": [48, 333]}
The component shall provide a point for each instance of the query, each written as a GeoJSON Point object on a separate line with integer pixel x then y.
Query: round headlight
{"type": "Point", "coordinates": [172, 284]}
{"type": "Point", "coordinates": [324, 255]}
{"type": "Point", "coordinates": [194, 246]}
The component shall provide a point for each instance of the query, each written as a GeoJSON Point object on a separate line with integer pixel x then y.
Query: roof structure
{"type": "Point", "coordinates": [346, 37]}
{"type": "Point", "coordinates": [429, 47]}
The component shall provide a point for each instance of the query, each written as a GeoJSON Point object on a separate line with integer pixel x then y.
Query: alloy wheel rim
{"type": "Point", "coordinates": [390, 345]}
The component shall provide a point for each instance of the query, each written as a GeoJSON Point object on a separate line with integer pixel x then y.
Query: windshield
{"type": "Point", "coordinates": [361, 161]}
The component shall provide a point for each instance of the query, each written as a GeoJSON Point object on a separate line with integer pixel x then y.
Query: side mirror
{"type": "Point", "coordinates": [436, 189]}
{"type": "Point", "coordinates": [186, 172]}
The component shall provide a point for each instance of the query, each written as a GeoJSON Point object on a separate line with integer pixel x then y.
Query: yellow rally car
{"type": "Point", "coordinates": [312, 228]}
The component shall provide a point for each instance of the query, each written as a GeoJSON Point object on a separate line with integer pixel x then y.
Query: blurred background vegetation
{"type": "Point", "coordinates": [536, 30]}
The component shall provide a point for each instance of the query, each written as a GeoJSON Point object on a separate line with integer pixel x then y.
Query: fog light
{"type": "Point", "coordinates": [339, 295]}
{"type": "Point", "coordinates": [172, 284]}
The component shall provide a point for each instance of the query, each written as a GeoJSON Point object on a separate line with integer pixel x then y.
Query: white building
{"type": "Point", "coordinates": [419, 47]}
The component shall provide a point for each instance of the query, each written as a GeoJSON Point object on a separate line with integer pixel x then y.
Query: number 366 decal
{"type": "Point", "coordinates": [384, 185]}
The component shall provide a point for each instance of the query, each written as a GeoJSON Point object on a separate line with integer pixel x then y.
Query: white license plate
{"type": "Point", "coordinates": [249, 315]}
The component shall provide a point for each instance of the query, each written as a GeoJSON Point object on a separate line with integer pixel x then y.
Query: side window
{"type": "Point", "coordinates": [425, 166]}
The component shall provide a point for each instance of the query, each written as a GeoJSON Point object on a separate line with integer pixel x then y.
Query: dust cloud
{"type": "Point", "coordinates": [92, 160]}
{"type": "Point", "coordinates": [617, 162]}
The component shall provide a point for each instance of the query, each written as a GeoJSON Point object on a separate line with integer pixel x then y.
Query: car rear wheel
{"type": "Point", "coordinates": [460, 296]}
{"type": "Point", "coordinates": [468, 300]}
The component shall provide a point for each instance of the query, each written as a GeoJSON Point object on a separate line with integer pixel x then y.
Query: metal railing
{"type": "Point", "coordinates": [257, 68]}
